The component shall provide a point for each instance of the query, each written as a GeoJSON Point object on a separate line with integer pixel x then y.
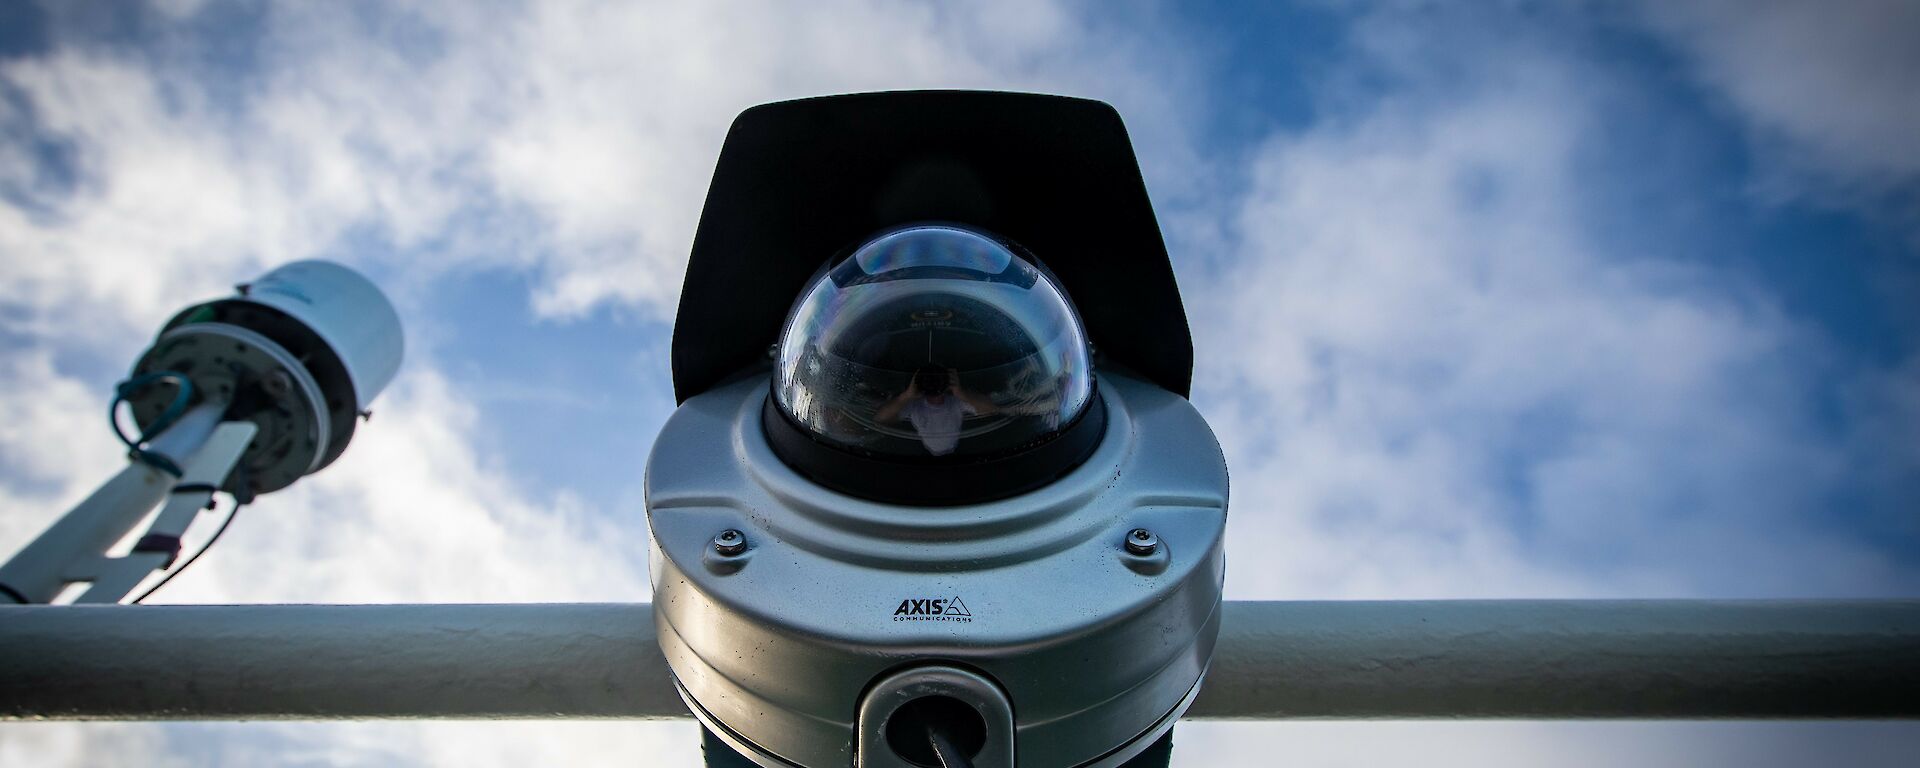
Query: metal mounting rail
{"type": "Point", "coordinates": [1655, 659]}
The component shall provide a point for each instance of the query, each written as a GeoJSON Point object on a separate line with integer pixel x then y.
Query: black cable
{"type": "Point", "coordinates": [235, 512]}
{"type": "Point", "coordinates": [182, 397]}
{"type": "Point", "coordinates": [944, 751]}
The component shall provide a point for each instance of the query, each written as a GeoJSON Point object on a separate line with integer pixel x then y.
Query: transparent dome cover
{"type": "Point", "coordinates": [933, 341]}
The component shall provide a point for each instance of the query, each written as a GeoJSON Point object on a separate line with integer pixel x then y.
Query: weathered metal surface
{"type": "Point", "coordinates": [1275, 660]}
{"type": "Point", "coordinates": [333, 662]}
{"type": "Point", "coordinates": [1094, 647]}
{"type": "Point", "coordinates": [1579, 659]}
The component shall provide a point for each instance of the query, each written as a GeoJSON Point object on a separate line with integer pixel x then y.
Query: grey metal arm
{"type": "Point", "coordinates": [1275, 660]}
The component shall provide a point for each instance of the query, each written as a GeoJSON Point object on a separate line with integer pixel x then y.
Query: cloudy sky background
{"type": "Point", "coordinates": [1583, 300]}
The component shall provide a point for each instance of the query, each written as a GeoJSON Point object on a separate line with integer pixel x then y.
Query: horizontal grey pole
{"type": "Point", "coordinates": [1566, 659]}
{"type": "Point", "coordinates": [1276, 660]}
{"type": "Point", "coordinates": [314, 662]}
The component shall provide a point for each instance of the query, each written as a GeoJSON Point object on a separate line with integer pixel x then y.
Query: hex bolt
{"type": "Point", "coordinates": [1141, 541]}
{"type": "Point", "coordinates": [730, 542]}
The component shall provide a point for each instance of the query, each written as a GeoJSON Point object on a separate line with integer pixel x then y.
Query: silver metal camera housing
{"type": "Point", "coordinates": [778, 647]}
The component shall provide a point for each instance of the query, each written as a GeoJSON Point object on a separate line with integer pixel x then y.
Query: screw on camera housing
{"type": "Point", "coordinates": [1141, 541]}
{"type": "Point", "coordinates": [730, 542]}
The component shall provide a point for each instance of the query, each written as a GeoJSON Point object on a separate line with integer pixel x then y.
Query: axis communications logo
{"type": "Point", "coordinates": [933, 609]}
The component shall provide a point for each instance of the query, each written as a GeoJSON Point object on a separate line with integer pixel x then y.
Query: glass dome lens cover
{"type": "Point", "coordinates": [933, 341]}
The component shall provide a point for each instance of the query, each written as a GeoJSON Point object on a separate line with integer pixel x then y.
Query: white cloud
{"type": "Point", "coordinates": [414, 512]}
{"type": "Point", "coordinates": [1414, 310]}
{"type": "Point", "coordinates": [1827, 88]}
{"type": "Point", "coordinates": [1435, 378]}
{"type": "Point", "coordinates": [572, 142]}
{"type": "Point", "coordinates": [160, 210]}
{"type": "Point", "coordinates": [351, 745]}
{"type": "Point", "coordinates": [79, 744]}
{"type": "Point", "coordinates": [44, 441]}
{"type": "Point", "coordinates": [1563, 744]}
{"type": "Point", "coordinates": [572, 138]}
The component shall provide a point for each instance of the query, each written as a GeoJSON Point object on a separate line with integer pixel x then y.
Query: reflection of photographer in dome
{"type": "Point", "coordinates": [935, 404]}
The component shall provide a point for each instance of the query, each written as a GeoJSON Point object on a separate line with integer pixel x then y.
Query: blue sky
{"type": "Point", "coordinates": [1500, 300]}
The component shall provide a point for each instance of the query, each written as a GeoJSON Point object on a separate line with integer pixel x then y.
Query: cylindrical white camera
{"type": "Point", "coordinates": [301, 352]}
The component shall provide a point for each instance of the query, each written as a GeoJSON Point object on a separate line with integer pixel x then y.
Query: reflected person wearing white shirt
{"type": "Point", "coordinates": [935, 404]}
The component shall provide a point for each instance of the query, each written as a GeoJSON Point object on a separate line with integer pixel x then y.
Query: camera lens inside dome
{"type": "Point", "coordinates": [933, 341]}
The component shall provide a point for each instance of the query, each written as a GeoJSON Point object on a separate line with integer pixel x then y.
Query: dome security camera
{"type": "Point", "coordinates": [934, 367]}
{"type": "Point", "coordinates": [929, 526]}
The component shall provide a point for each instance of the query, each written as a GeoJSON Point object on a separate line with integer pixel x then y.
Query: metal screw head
{"type": "Point", "coordinates": [730, 542]}
{"type": "Point", "coordinates": [277, 383]}
{"type": "Point", "coordinates": [1141, 541]}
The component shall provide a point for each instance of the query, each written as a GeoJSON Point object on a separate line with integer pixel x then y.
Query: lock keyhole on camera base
{"type": "Point", "coordinates": [920, 729]}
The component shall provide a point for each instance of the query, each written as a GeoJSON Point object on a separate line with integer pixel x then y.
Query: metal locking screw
{"type": "Point", "coordinates": [1141, 541]}
{"type": "Point", "coordinates": [730, 542]}
{"type": "Point", "coordinates": [277, 383]}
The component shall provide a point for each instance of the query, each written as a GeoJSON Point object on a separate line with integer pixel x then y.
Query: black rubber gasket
{"type": "Point", "coordinates": [935, 481]}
